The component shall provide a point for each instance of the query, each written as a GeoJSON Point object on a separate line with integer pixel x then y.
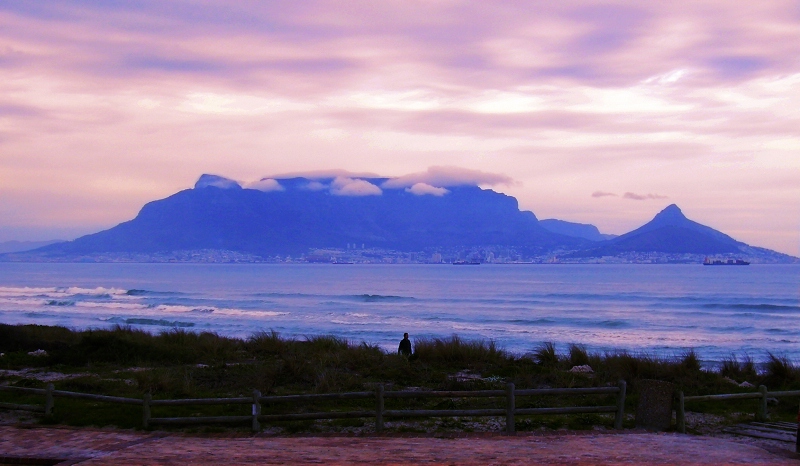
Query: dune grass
{"type": "Point", "coordinates": [178, 363]}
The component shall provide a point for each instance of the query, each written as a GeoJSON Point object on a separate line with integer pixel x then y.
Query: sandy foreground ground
{"type": "Point", "coordinates": [116, 447]}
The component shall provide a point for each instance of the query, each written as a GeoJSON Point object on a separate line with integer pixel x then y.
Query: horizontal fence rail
{"type": "Point", "coordinates": [201, 401]}
{"type": "Point", "coordinates": [762, 395]}
{"type": "Point", "coordinates": [446, 394]}
{"type": "Point", "coordinates": [379, 395]}
{"type": "Point", "coordinates": [103, 398]}
{"type": "Point", "coordinates": [20, 407]}
{"type": "Point", "coordinates": [32, 391]}
{"type": "Point", "coordinates": [316, 397]}
{"type": "Point", "coordinates": [568, 410]}
{"type": "Point", "coordinates": [728, 396]}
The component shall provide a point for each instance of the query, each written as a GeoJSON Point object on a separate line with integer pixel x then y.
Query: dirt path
{"type": "Point", "coordinates": [114, 447]}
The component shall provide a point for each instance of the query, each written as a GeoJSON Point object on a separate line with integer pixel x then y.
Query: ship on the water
{"type": "Point", "coordinates": [463, 262]}
{"type": "Point", "coordinates": [709, 261]}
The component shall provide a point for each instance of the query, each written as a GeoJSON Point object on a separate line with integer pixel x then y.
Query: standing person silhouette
{"type": "Point", "coordinates": [405, 346]}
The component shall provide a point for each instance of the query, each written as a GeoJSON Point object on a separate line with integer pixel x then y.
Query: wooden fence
{"type": "Point", "coordinates": [379, 395]}
{"type": "Point", "coordinates": [761, 413]}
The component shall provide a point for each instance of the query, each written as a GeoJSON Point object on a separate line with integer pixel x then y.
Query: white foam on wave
{"type": "Point", "coordinates": [25, 291]}
{"type": "Point", "coordinates": [60, 292]}
{"type": "Point", "coordinates": [354, 322]}
{"type": "Point", "coordinates": [22, 301]}
{"type": "Point", "coordinates": [95, 291]}
{"type": "Point", "coordinates": [253, 313]}
{"type": "Point", "coordinates": [111, 305]}
{"type": "Point", "coordinates": [181, 309]}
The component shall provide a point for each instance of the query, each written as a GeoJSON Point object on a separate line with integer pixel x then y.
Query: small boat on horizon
{"type": "Point", "coordinates": [709, 261]}
{"type": "Point", "coordinates": [463, 262]}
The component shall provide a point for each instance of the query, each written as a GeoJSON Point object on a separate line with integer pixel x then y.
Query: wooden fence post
{"type": "Point", "coordinates": [620, 405]}
{"type": "Point", "coordinates": [797, 441]}
{"type": "Point", "coordinates": [48, 400]}
{"type": "Point", "coordinates": [680, 414]}
{"type": "Point", "coordinates": [510, 407]}
{"type": "Point", "coordinates": [255, 426]}
{"type": "Point", "coordinates": [379, 408]}
{"type": "Point", "coordinates": [761, 415]}
{"type": "Point", "coordinates": [146, 410]}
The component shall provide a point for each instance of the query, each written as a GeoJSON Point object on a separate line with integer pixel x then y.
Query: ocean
{"type": "Point", "coordinates": [661, 310]}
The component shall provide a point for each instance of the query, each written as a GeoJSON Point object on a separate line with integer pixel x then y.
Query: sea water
{"type": "Point", "coordinates": [661, 310]}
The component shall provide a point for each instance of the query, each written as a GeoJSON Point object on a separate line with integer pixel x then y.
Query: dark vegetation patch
{"type": "Point", "coordinates": [182, 364]}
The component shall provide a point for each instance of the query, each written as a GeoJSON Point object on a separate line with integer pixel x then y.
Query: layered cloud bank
{"type": "Point", "coordinates": [449, 176]}
{"type": "Point", "coordinates": [343, 183]}
{"type": "Point", "coordinates": [104, 106]}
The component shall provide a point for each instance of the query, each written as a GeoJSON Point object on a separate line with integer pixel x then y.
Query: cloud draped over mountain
{"type": "Point", "coordinates": [446, 176]}
{"type": "Point", "coordinates": [266, 185]}
{"type": "Point", "coordinates": [343, 186]}
{"type": "Point", "coordinates": [421, 189]}
{"type": "Point", "coordinates": [433, 182]}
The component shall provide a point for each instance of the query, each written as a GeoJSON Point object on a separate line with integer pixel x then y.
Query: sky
{"type": "Point", "coordinates": [601, 113]}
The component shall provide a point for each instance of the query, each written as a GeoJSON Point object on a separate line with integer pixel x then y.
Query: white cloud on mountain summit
{"type": "Point", "coordinates": [266, 185]}
{"type": "Point", "coordinates": [431, 182]}
{"type": "Point", "coordinates": [421, 189]}
{"type": "Point", "coordinates": [315, 186]}
{"type": "Point", "coordinates": [343, 186]}
{"type": "Point", "coordinates": [447, 176]}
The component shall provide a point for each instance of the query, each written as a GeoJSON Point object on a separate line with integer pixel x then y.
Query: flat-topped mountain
{"type": "Point", "coordinates": [292, 215]}
{"type": "Point", "coordinates": [295, 215]}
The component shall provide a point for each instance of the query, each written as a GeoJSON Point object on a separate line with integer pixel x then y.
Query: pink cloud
{"type": "Point", "coordinates": [642, 197]}
{"type": "Point", "coordinates": [555, 95]}
{"type": "Point", "coordinates": [448, 176]}
{"type": "Point", "coordinates": [320, 174]}
{"type": "Point", "coordinates": [603, 194]}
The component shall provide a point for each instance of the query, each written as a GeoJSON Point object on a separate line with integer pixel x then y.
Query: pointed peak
{"type": "Point", "coordinates": [670, 214]}
{"type": "Point", "coordinates": [216, 181]}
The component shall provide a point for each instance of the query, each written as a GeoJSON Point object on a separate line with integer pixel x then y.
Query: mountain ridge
{"type": "Point", "coordinates": [220, 214]}
{"type": "Point", "coordinates": [580, 230]}
{"type": "Point", "coordinates": [294, 216]}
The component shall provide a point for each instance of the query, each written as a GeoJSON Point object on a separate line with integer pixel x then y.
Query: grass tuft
{"type": "Point", "coordinates": [546, 355]}
{"type": "Point", "coordinates": [779, 371]}
{"type": "Point", "coordinates": [177, 363]}
{"type": "Point", "coordinates": [454, 351]}
{"type": "Point", "coordinates": [578, 356]}
{"type": "Point", "coordinates": [738, 370]}
{"type": "Point", "coordinates": [690, 362]}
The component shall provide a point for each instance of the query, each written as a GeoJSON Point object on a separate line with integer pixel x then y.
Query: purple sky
{"type": "Point", "coordinates": [597, 113]}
